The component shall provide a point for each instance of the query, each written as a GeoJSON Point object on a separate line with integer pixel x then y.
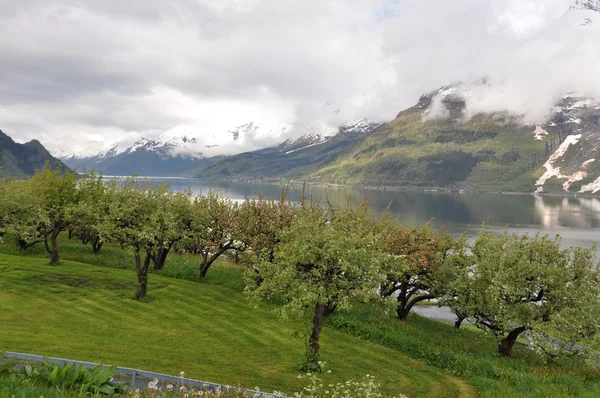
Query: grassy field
{"type": "Point", "coordinates": [83, 310]}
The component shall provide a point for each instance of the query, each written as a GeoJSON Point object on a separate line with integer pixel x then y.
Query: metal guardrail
{"type": "Point", "coordinates": [135, 375]}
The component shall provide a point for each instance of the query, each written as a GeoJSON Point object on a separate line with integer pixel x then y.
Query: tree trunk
{"type": "Point", "coordinates": [203, 270]}
{"type": "Point", "coordinates": [54, 259]}
{"type": "Point", "coordinates": [506, 344]}
{"type": "Point", "coordinates": [459, 322]}
{"type": "Point", "coordinates": [405, 306]}
{"type": "Point", "coordinates": [208, 260]}
{"type": "Point", "coordinates": [330, 309]}
{"type": "Point", "coordinates": [22, 244]}
{"type": "Point", "coordinates": [402, 312]}
{"type": "Point", "coordinates": [161, 257]}
{"type": "Point", "coordinates": [142, 275]}
{"type": "Point", "coordinates": [204, 265]}
{"type": "Point", "coordinates": [96, 244]}
{"type": "Point", "coordinates": [313, 341]}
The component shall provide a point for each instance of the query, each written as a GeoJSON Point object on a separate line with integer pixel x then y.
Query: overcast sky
{"type": "Point", "coordinates": [82, 74]}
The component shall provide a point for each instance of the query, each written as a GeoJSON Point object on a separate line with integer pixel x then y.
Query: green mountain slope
{"type": "Point", "coordinates": [489, 151]}
{"type": "Point", "coordinates": [20, 160]}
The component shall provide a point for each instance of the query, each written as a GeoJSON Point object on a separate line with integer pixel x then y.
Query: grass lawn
{"type": "Point", "coordinates": [85, 312]}
{"type": "Point", "coordinates": [83, 309]}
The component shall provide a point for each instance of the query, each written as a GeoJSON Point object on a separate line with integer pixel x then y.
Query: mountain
{"type": "Point", "coordinates": [584, 13]}
{"type": "Point", "coordinates": [293, 159]}
{"type": "Point", "coordinates": [181, 150]}
{"type": "Point", "coordinates": [573, 136]}
{"type": "Point", "coordinates": [22, 160]}
{"type": "Point", "coordinates": [145, 157]}
{"type": "Point", "coordinates": [435, 144]}
{"type": "Point", "coordinates": [586, 5]}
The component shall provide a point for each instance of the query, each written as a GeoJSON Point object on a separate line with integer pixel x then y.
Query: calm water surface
{"type": "Point", "coordinates": [576, 220]}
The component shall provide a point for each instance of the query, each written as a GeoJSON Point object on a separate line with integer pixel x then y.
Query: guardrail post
{"type": "Point", "coordinates": [133, 377]}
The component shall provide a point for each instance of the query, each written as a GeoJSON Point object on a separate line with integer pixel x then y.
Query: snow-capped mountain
{"type": "Point", "coordinates": [184, 149]}
{"type": "Point", "coordinates": [322, 134]}
{"type": "Point", "coordinates": [360, 126]}
{"type": "Point", "coordinates": [292, 159]}
{"type": "Point", "coordinates": [572, 138]}
{"type": "Point", "coordinates": [585, 13]}
{"type": "Point", "coordinates": [571, 135]}
{"type": "Point", "coordinates": [591, 5]}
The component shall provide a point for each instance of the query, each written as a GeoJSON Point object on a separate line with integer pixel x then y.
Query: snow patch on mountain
{"type": "Point", "coordinates": [360, 126]}
{"type": "Point", "coordinates": [587, 163]}
{"type": "Point", "coordinates": [540, 133]}
{"type": "Point", "coordinates": [320, 134]}
{"type": "Point", "coordinates": [306, 147]}
{"type": "Point", "coordinates": [553, 171]}
{"type": "Point", "coordinates": [138, 145]}
{"type": "Point", "coordinates": [593, 187]}
{"type": "Point", "coordinates": [583, 13]}
{"type": "Point", "coordinates": [593, 5]}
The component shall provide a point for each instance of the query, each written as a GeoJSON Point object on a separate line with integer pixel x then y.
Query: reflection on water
{"type": "Point", "coordinates": [576, 219]}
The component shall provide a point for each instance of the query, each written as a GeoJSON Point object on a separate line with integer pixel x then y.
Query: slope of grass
{"type": "Point", "coordinates": [82, 311]}
{"type": "Point", "coordinates": [470, 354]}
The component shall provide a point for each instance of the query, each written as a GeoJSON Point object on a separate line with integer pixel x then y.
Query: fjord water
{"type": "Point", "coordinates": [575, 219]}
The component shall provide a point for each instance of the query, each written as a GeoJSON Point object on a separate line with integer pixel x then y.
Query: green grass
{"type": "Point", "coordinates": [470, 354]}
{"type": "Point", "coordinates": [85, 312]}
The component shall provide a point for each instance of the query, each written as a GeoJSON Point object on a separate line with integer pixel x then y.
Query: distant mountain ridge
{"type": "Point", "coordinates": [22, 160]}
{"type": "Point", "coordinates": [292, 159]}
{"type": "Point", "coordinates": [593, 5]}
{"type": "Point", "coordinates": [181, 150]}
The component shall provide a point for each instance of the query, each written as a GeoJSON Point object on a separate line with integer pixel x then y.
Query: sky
{"type": "Point", "coordinates": [80, 75]}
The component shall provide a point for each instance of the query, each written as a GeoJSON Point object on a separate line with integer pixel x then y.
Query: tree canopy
{"type": "Point", "coordinates": [529, 284]}
{"type": "Point", "coordinates": [324, 260]}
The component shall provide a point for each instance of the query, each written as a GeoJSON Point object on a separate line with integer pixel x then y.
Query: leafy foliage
{"type": "Point", "coordinates": [421, 262]}
{"type": "Point", "coordinates": [91, 210]}
{"type": "Point", "coordinates": [72, 377]}
{"type": "Point", "coordinates": [326, 259]}
{"type": "Point", "coordinates": [528, 284]}
{"type": "Point", "coordinates": [214, 228]}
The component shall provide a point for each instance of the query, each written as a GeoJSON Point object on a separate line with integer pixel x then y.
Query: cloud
{"type": "Point", "coordinates": [529, 52]}
{"type": "Point", "coordinates": [82, 74]}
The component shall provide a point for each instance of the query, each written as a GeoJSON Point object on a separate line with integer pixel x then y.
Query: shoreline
{"type": "Point", "coordinates": [394, 188]}
{"type": "Point", "coordinates": [388, 188]}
